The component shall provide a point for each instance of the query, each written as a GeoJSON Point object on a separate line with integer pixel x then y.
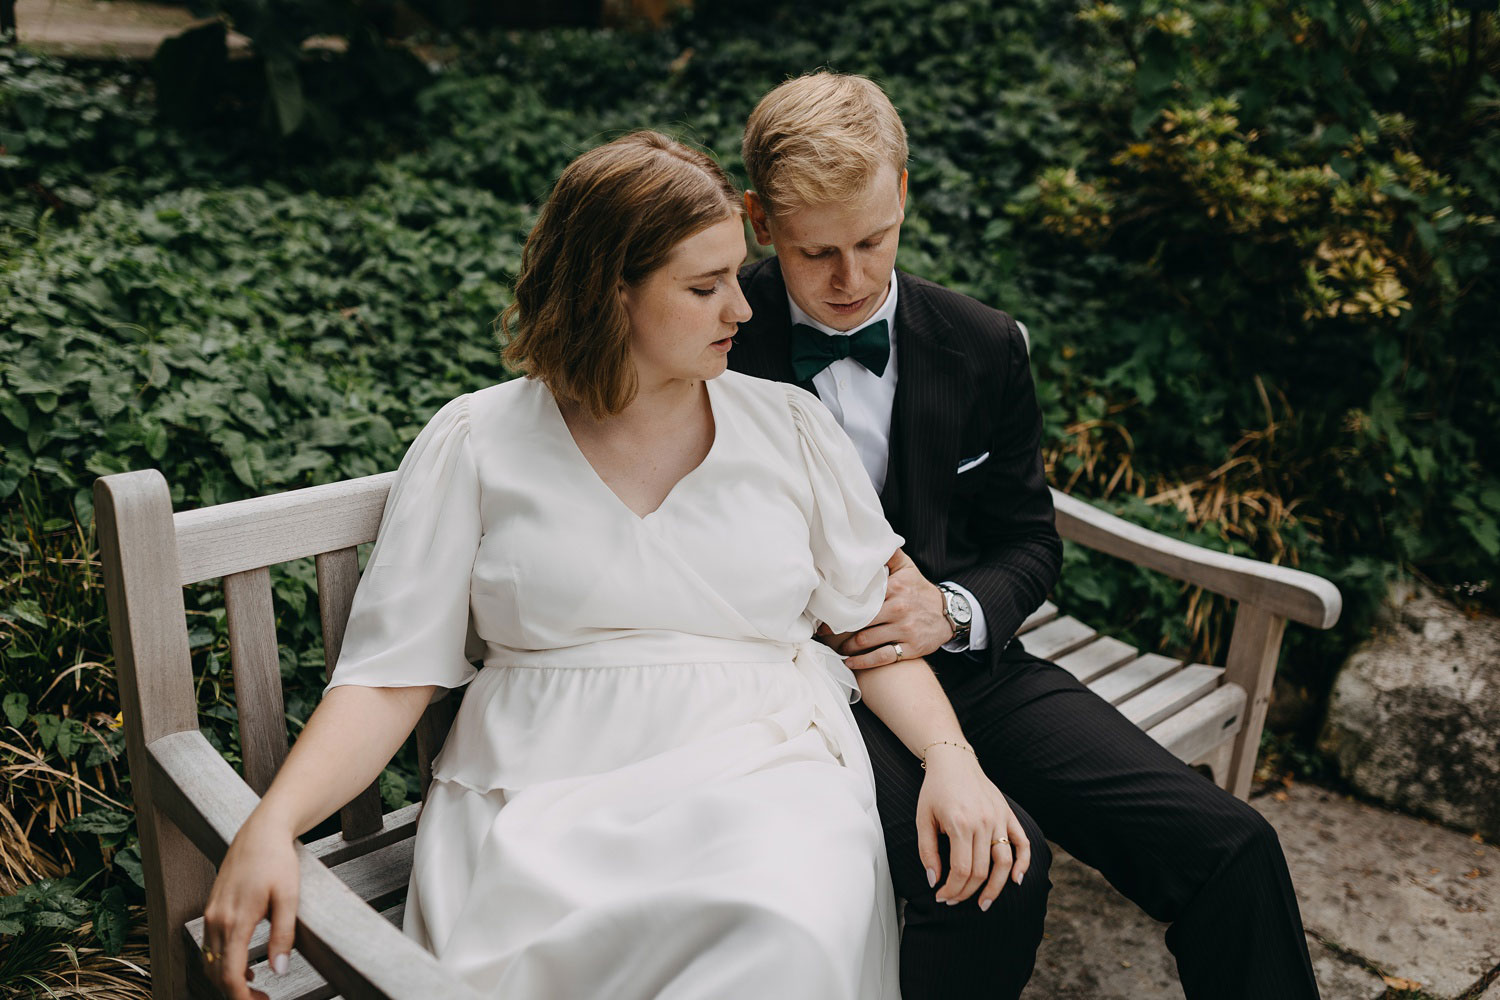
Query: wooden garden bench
{"type": "Point", "coordinates": [190, 801]}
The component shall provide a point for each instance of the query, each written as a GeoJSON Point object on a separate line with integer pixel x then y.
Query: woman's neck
{"type": "Point", "coordinates": [657, 404]}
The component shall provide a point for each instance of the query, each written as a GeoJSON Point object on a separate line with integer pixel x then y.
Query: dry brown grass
{"type": "Point", "coordinates": [73, 965]}
{"type": "Point", "coordinates": [1249, 498]}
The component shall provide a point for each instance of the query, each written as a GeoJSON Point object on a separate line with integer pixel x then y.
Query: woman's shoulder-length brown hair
{"type": "Point", "coordinates": [614, 216]}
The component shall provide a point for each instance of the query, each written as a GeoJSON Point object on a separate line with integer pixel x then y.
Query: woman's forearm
{"type": "Point", "coordinates": [347, 742]}
{"type": "Point", "coordinates": [907, 697]}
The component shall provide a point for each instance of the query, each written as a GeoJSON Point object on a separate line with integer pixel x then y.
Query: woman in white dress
{"type": "Point", "coordinates": [654, 787]}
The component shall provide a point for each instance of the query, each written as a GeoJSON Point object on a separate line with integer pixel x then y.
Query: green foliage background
{"type": "Point", "coordinates": [1252, 242]}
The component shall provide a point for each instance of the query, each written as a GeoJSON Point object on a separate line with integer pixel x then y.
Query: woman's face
{"type": "Point", "coordinates": [683, 314]}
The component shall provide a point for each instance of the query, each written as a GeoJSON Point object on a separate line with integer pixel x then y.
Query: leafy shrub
{"type": "Point", "coordinates": [1252, 243]}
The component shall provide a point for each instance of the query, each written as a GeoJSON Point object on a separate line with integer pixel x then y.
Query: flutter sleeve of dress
{"type": "Point", "coordinates": [409, 622]}
{"type": "Point", "coordinates": [851, 539]}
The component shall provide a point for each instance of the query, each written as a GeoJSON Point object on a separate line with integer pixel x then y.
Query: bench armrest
{"type": "Point", "coordinates": [1290, 593]}
{"type": "Point", "coordinates": [351, 945]}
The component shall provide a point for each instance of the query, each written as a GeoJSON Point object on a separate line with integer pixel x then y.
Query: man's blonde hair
{"type": "Point", "coordinates": [818, 139]}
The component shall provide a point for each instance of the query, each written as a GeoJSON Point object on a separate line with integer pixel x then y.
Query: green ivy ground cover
{"type": "Point", "coordinates": [1252, 242]}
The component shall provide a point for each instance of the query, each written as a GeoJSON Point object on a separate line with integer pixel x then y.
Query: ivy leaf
{"type": "Point", "coordinates": [100, 821]}
{"type": "Point", "coordinates": [15, 705]}
{"type": "Point", "coordinates": [129, 862]}
{"type": "Point", "coordinates": [46, 729]}
{"type": "Point", "coordinates": [70, 736]}
{"type": "Point", "coordinates": [111, 920]}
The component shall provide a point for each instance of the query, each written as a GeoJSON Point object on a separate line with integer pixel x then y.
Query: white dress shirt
{"type": "Point", "coordinates": [862, 402]}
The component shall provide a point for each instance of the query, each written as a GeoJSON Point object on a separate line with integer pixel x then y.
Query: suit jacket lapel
{"type": "Point", "coordinates": [934, 390]}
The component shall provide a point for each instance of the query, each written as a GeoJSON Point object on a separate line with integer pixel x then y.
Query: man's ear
{"type": "Point", "coordinates": [903, 193]}
{"type": "Point", "coordinates": [759, 220]}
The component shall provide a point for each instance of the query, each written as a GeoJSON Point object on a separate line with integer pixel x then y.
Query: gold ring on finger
{"type": "Point", "coordinates": [210, 956]}
{"type": "Point", "coordinates": [1002, 840]}
{"type": "Point", "coordinates": [900, 653]}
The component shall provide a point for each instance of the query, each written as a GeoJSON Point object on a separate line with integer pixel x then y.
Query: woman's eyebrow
{"type": "Point", "coordinates": [709, 274]}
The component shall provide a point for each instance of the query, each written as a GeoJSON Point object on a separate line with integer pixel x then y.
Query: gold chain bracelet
{"type": "Point", "coordinates": [945, 743]}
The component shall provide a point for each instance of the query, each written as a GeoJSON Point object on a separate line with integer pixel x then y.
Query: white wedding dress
{"type": "Point", "coordinates": [654, 787]}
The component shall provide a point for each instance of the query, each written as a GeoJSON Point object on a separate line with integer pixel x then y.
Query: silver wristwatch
{"type": "Point", "coordinates": [956, 609]}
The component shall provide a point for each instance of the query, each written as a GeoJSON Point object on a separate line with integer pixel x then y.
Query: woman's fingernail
{"type": "Point", "coordinates": [1019, 877]}
{"type": "Point", "coordinates": [278, 964]}
{"type": "Point", "coordinates": [931, 878]}
{"type": "Point", "coordinates": [952, 902]}
{"type": "Point", "coordinates": [984, 904]}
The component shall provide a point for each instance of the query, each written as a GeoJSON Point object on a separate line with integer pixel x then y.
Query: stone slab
{"type": "Point", "coordinates": [1417, 900]}
{"type": "Point", "coordinates": [1100, 946]}
{"type": "Point", "coordinates": [116, 30]}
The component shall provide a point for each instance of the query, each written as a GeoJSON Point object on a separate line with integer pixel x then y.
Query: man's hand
{"type": "Point", "coordinates": [912, 615]}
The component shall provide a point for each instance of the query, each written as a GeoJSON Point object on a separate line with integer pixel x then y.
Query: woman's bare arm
{"type": "Point", "coordinates": [344, 747]}
{"type": "Point", "coordinates": [957, 798]}
{"type": "Point", "coordinates": [346, 743]}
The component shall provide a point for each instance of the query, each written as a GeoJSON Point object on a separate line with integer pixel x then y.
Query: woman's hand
{"type": "Point", "coordinates": [259, 875]}
{"type": "Point", "coordinates": [959, 800]}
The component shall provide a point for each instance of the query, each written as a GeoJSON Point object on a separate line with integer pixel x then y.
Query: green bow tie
{"type": "Point", "coordinates": [813, 350]}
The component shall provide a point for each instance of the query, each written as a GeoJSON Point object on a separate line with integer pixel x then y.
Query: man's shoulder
{"type": "Point", "coordinates": [767, 267]}
{"type": "Point", "coordinates": [977, 325]}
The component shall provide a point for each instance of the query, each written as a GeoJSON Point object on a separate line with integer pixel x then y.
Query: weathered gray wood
{"type": "Point", "coordinates": [1171, 694]}
{"type": "Point", "coordinates": [301, 981]}
{"type": "Point", "coordinates": [1040, 616]}
{"type": "Point", "coordinates": [260, 938]}
{"type": "Point", "coordinates": [335, 848]}
{"type": "Point", "coordinates": [1134, 677]}
{"type": "Point", "coordinates": [153, 668]}
{"type": "Point", "coordinates": [1291, 593]}
{"type": "Point", "coordinates": [1217, 761]}
{"type": "Point", "coordinates": [1254, 648]}
{"type": "Point", "coordinates": [432, 731]}
{"type": "Point", "coordinates": [1059, 636]}
{"type": "Point", "coordinates": [347, 941]}
{"type": "Point", "coordinates": [338, 577]}
{"type": "Point", "coordinates": [1203, 725]}
{"type": "Point", "coordinates": [257, 675]}
{"type": "Point", "coordinates": [262, 531]}
{"type": "Point", "coordinates": [1102, 655]}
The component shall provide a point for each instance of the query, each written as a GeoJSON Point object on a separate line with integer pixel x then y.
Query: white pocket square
{"type": "Point", "coordinates": [971, 463]}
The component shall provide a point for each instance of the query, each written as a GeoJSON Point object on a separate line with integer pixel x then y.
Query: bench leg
{"type": "Point", "coordinates": [1254, 648]}
{"type": "Point", "coordinates": [178, 879]}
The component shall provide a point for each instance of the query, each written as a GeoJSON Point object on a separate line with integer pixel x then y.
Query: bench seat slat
{"type": "Point", "coordinates": [1040, 616]}
{"type": "Point", "coordinates": [1059, 636]}
{"type": "Point", "coordinates": [1203, 725]}
{"type": "Point", "coordinates": [1099, 657]}
{"type": "Point", "coordinates": [1134, 677]}
{"type": "Point", "coordinates": [1170, 695]}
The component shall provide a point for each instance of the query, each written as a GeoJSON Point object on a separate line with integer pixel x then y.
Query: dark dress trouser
{"type": "Point", "coordinates": [1078, 772]}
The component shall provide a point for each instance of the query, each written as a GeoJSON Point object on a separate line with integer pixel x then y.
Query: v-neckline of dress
{"type": "Point", "coordinates": [572, 443]}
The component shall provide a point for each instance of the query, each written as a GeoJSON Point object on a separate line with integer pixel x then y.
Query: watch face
{"type": "Point", "coordinates": [958, 608]}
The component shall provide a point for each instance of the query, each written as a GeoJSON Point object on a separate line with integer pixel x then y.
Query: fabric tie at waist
{"type": "Point", "coordinates": [833, 688]}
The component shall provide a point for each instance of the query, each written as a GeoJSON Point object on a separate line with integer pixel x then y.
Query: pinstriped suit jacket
{"type": "Point", "coordinates": [964, 389]}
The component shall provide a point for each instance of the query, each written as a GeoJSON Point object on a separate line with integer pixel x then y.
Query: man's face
{"type": "Point", "coordinates": [837, 258]}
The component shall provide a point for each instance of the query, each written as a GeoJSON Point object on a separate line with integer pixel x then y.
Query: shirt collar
{"type": "Point", "coordinates": [887, 312]}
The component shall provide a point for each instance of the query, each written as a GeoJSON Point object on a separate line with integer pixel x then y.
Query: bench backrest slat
{"type": "Point", "coordinates": [262, 531]}
{"type": "Point", "coordinates": [257, 675]}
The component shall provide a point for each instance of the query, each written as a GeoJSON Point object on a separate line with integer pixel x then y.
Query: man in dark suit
{"type": "Point", "coordinates": [935, 390]}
